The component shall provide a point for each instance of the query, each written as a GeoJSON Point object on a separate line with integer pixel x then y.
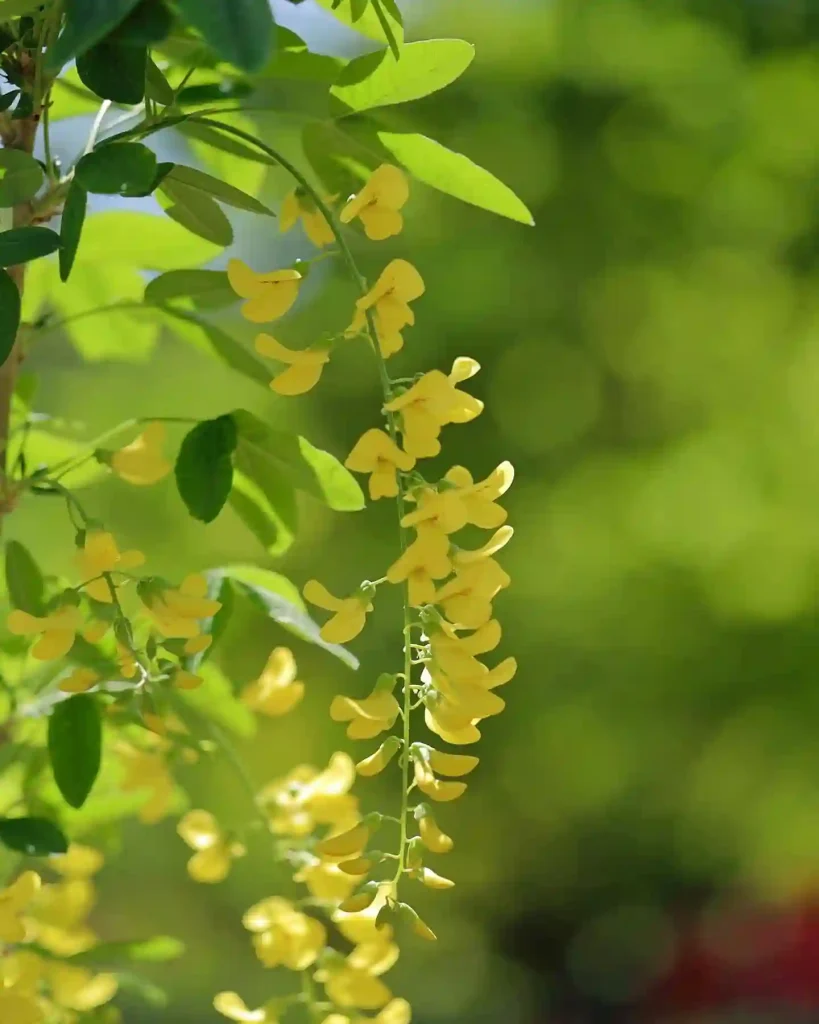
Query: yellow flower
{"type": "Point", "coordinates": [467, 598]}
{"type": "Point", "coordinates": [99, 555]}
{"type": "Point", "coordinates": [175, 611]}
{"type": "Point", "coordinates": [283, 935]}
{"type": "Point", "coordinates": [277, 690]}
{"type": "Point", "coordinates": [231, 1005]}
{"type": "Point", "coordinates": [78, 988]}
{"type": "Point", "coordinates": [214, 850]}
{"type": "Point", "coordinates": [325, 880]}
{"type": "Point", "coordinates": [431, 835]}
{"type": "Point", "coordinates": [378, 761]}
{"type": "Point", "coordinates": [377, 454]}
{"type": "Point", "coordinates": [345, 845]}
{"type": "Point", "coordinates": [80, 680]}
{"type": "Point", "coordinates": [354, 987]}
{"type": "Point", "coordinates": [77, 862]}
{"type": "Point", "coordinates": [378, 203]}
{"type": "Point", "coordinates": [14, 901]}
{"type": "Point", "coordinates": [306, 797]}
{"type": "Point", "coordinates": [449, 722]}
{"type": "Point", "coordinates": [94, 631]}
{"type": "Point", "coordinates": [20, 977]}
{"type": "Point", "coordinates": [127, 662]}
{"type": "Point", "coordinates": [142, 462]}
{"type": "Point", "coordinates": [297, 205]}
{"type": "Point", "coordinates": [370, 715]}
{"type": "Point", "coordinates": [425, 560]}
{"type": "Point", "coordinates": [389, 298]}
{"type": "Point", "coordinates": [184, 680]}
{"type": "Point", "coordinates": [57, 630]}
{"type": "Point", "coordinates": [351, 612]}
{"type": "Point", "coordinates": [60, 910]}
{"type": "Point", "coordinates": [457, 655]}
{"type": "Point", "coordinates": [434, 788]}
{"type": "Point", "coordinates": [146, 769]}
{"type": "Point", "coordinates": [480, 499]}
{"type": "Point", "coordinates": [198, 644]}
{"type": "Point", "coordinates": [268, 295]}
{"type": "Point", "coordinates": [397, 1011]}
{"type": "Point", "coordinates": [444, 763]}
{"type": "Point", "coordinates": [428, 405]}
{"type": "Point", "coordinates": [305, 365]}
{"type": "Point", "coordinates": [20, 1007]}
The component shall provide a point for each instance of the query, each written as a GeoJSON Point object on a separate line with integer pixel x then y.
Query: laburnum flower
{"type": "Point", "coordinates": [379, 760]}
{"type": "Point", "coordinates": [305, 365]}
{"type": "Point", "coordinates": [397, 1011]}
{"type": "Point", "coordinates": [269, 295]}
{"type": "Point", "coordinates": [142, 462]}
{"type": "Point", "coordinates": [126, 659]}
{"type": "Point", "coordinates": [449, 722]}
{"type": "Point", "coordinates": [99, 555]}
{"type": "Point", "coordinates": [175, 611]}
{"type": "Point", "coordinates": [277, 690]}
{"type": "Point", "coordinates": [368, 716]}
{"type": "Point", "coordinates": [57, 630]}
{"type": "Point", "coordinates": [215, 851]}
{"type": "Point", "coordinates": [389, 299]}
{"type": "Point", "coordinates": [325, 880]}
{"type": "Point", "coordinates": [79, 680]}
{"type": "Point", "coordinates": [480, 499]}
{"type": "Point", "coordinates": [299, 206]}
{"type": "Point", "coordinates": [427, 761]}
{"type": "Point", "coordinates": [377, 454]}
{"type": "Point", "coordinates": [430, 834]}
{"type": "Point", "coordinates": [341, 846]}
{"type": "Point", "coordinates": [283, 935]}
{"type": "Point", "coordinates": [232, 1006]}
{"type": "Point", "coordinates": [350, 612]}
{"type": "Point", "coordinates": [59, 913]}
{"type": "Point", "coordinates": [78, 988]}
{"type": "Point", "coordinates": [433, 401]}
{"type": "Point", "coordinates": [148, 769]}
{"type": "Point", "coordinates": [14, 901]}
{"type": "Point", "coordinates": [307, 797]}
{"type": "Point", "coordinates": [466, 599]}
{"type": "Point", "coordinates": [425, 560]}
{"type": "Point", "coordinates": [457, 655]}
{"type": "Point", "coordinates": [378, 203]}
{"type": "Point", "coordinates": [352, 986]}
{"type": "Point", "coordinates": [20, 998]}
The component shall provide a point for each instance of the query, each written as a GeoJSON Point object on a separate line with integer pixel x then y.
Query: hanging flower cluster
{"type": "Point", "coordinates": [448, 624]}
{"type": "Point", "coordinates": [43, 924]}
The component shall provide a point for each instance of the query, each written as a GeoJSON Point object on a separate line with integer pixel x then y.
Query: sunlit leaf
{"type": "Point", "coordinates": [455, 174]}
{"type": "Point", "coordinates": [20, 177]}
{"type": "Point", "coordinates": [363, 18]}
{"type": "Point", "coordinates": [206, 289]}
{"type": "Point", "coordinates": [271, 522]}
{"type": "Point", "coordinates": [215, 699]}
{"type": "Point", "coordinates": [199, 181]}
{"type": "Point", "coordinates": [216, 342]}
{"type": "Point", "coordinates": [156, 950]}
{"type": "Point", "coordinates": [378, 79]}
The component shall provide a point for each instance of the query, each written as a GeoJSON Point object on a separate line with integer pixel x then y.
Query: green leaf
{"type": "Point", "coordinates": [206, 184]}
{"type": "Point", "coordinates": [276, 597]}
{"type": "Point", "coordinates": [20, 245]}
{"type": "Point", "coordinates": [140, 988]}
{"type": "Point", "coordinates": [208, 93]}
{"type": "Point", "coordinates": [364, 19]}
{"type": "Point", "coordinates": [24, 581]}
{"type": "Point", "coordinates": [147, 24]}
{"type": "Point", "coordinates": [118, 169]}
{"type": "Point", "coordinates": [240, 31]}
{"type": "Point", "coordinates": [75, 746]}
{"type": "Point", "coordinates": [114, 71]}
{"type": "Point", "coordinates": [70, 98]}
{"type": "Point", "coordinates": [44, 448]}
{"type": "Point", "coordinates": [157, 87]}
{"type": "Point", "coordinates": [273, 524]}
{"type": "Point", "coordinates": [292, 59]}
{"type": "Point", "coordinates": [35, 837]}
{"type": "Point", "coordinates": [157, 950]}
{"type": "Point", "coordinates": [86, 22]}
{"type": "Point", "coordinates": [206, 289]}
{"type": "Point", "coordinates": [71, 223]}
{"type": "Point", "coordinates": [204, 467]}
{"type": "Point", "coordinates": [142, 240]}
{"type": "Point", "coordinates": [215, 342]}
{"type": "Point", "coordinates": [20, 177]}
{"type": "Point", "coordinates": [262, 449]}
{"type": "Point", "coordinates": [378, 79]}
{"type": "Point", "coordinates": [9, 314]}
{"type": "Point", "coordinates": [197, 212]}
{"type": "Point", "coordinates": [455, 174]}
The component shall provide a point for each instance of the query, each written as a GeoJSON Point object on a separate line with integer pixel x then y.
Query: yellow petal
{"type": "Point", "coordinates": [432, 837]}
{"type": "Point", "coordinates": [243, 280]}
{"type": "Point", "coordinates": [346, 624]}
{"type": "Point", "coordinates": [210, 866]}
{"type": "Point", "coordinates": [345, 845]}
{"type": "Point", "coordinates": [54, 643]}
{"type": "Point", "coordinates": [451, 764]}
{"type": "Point", "coordinates": [298, 380]}
{"type": "Point", "coordinates": [199, 829]}
{"type": "Point", "coordinates": [22, 624]}
{"type": "Point", "coordinates": [231, 1005]}
{"type": "Point", "coordinates": [101, 590]}
{"type": "Point", "coordinates": [316, 593]}
{"type": "Point", "coordinates": [380, 222]}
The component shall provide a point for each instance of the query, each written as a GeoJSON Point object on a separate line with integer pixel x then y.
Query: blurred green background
{"type": "Point", "coordinates": [650, 356]}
